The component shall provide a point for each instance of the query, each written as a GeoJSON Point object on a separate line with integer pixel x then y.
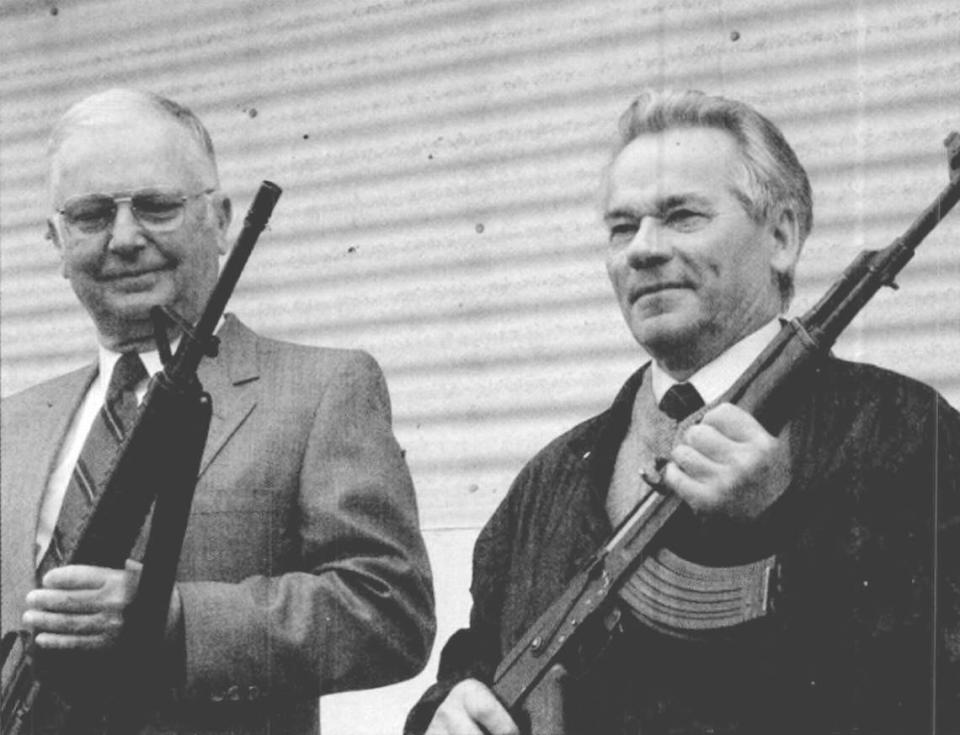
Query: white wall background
{"type": "Point", "coordinates": [440, 160]}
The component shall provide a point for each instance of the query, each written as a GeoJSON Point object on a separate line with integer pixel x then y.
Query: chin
{"type": "Point", "coordinates": [134, 310]}
{"type": "Point", "coordinates": [125, 315]}
{"type": "Point", "coordinates": [664, 329]}
{"type": "Point", "coordinates": [133, 303]}
{"type": "Point", "coordinates": [122, 336]}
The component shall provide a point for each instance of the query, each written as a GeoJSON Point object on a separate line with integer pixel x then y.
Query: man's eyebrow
{"type": "Point", "coordinates": [679, 200]}
{"type": "Point", "coordinates": [659, 205]}
{"type": "Point", "coordinates": [623, 212]}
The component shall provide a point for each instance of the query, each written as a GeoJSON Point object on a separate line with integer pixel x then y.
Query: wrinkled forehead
{"type": "Point", "coordinates": [672, 162]}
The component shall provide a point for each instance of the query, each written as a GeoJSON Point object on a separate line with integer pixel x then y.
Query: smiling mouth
{"type": "Point", "coordinates": [638, 293]}
{"type": "Point", "coordinates": [132, 275]}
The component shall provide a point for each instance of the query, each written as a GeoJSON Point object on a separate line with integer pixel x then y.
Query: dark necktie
{"type": "Point", "coordinates": [680, 401]}
{"type": "Point", "coordinates": [109, 428]}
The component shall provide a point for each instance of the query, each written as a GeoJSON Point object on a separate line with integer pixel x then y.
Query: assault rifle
{"type": "Point", "coordinates": [583, 613]}
{"type": "Point", "coordinates": [156, 465]}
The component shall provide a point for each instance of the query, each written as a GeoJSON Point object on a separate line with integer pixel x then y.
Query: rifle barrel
{"type": "Point", "coordinates": [191, 351]}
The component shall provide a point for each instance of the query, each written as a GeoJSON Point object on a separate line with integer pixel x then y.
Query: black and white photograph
{"type": "Point", "coordinates": [458, 367]}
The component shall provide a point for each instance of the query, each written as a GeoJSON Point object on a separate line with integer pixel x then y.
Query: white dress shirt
{"type": "Point", "coordinates": [649, 428]}
{"type": "Point", "coordinates": [714, 378]}
{"type": "Point", "coordinates": [76, 436]}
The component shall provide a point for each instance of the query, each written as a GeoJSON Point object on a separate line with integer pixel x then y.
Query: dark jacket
{"type": "Point", "coordinates": [871, 519]}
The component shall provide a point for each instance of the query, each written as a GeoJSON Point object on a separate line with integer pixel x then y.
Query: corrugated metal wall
{"type": "Point", "coordinates": [440, 160]}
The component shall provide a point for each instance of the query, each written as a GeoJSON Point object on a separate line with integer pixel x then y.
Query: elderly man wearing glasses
{"type": "Point", "coordinates": [303, 571]}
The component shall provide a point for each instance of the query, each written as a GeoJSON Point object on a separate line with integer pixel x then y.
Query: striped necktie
{"type": "Point", "coordinates": [113, 422]}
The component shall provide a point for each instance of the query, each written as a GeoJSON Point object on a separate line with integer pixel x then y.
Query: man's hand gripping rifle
{"type": "Point", "coordinates": [157, 464]}
{"type": "Point", "coordinates": [584, 613]}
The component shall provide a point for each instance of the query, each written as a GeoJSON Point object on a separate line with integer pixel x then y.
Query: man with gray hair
{"type": "Point", "coordinates": [303, 571]}
{"type": "Point", "coordinates": [810, 582]}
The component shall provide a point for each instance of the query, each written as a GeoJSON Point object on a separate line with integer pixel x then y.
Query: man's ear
{"type": "Point", "coordinates": [223, 210]}
{"type": "Point", "coordinates": [53, 235]}
{"type": "Point", "coordinates": [785, 231]}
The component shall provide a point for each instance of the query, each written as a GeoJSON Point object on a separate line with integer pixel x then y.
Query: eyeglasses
{"type": "Point", "coordinates": [156, 209]}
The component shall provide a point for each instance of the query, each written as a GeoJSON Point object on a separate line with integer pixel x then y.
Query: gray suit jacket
{"type": "Point", "coordinates": [303, 571]}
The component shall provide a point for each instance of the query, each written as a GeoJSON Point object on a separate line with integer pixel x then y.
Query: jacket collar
{"type": "Point", "coordinates": [231, 380]}
{"type": "Point", "coordinates": [594, 446]}
{"type": "Point", "coordinates": [605, 434]}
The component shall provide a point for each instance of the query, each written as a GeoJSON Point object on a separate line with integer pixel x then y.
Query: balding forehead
{"type": "Point", "coordinates": [109, 105]}
{"type": "Point", "coordinates": [125, 156]}
{"type": "Point", "coordinates": [122, 110]}
{"type": "Point", "coordinates": [128, 106]}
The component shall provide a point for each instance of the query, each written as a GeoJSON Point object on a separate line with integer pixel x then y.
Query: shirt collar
{"type": "Point", "coordinates": [716, 376]}
{"type": "Point", "coordinates": [151, 361]}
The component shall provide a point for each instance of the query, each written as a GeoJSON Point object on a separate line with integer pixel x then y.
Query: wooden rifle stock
{"type": "Point", "coordinates": [156, 465]}
{"type": "Point", "coordinates": [584, 610]}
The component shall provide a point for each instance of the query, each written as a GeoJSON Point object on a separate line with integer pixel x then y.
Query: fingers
{"type": "Point", "coordinates": [75, 577]}
{"type": "Point", "coordinates": [700, 455]}
{"type": "Point", "coordinates": [733, 422]}
{"type": "Point", "coordinates": [56, 631]}
{"type": "Point", "coordinates": [727, 434]}
{"type": "Point", "coordinates": [728, 463]}
{"type": "Point", "coordinates": [78, 588]}
{"type": "Point", "coordinates": [472, 709]}
{"type": "Point", "coordinates": [77, 601]}
{"type": "Point", "coordinates": [453, 722]}
{"type": "Point", "coordinates": [80, 607]}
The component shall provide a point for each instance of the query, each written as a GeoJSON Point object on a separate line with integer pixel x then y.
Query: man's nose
{"type": "Point", "coordinates": [127, 232]}
{"type": "Point", "coordinates": [649, 245]}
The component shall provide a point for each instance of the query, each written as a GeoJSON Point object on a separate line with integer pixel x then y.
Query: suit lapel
{"type": "Point", "coordinates": [44, 436]}
{"type": "Point", "coordinates": [231, 380]}
{"type": "Point", "coordinates": [32, 453]}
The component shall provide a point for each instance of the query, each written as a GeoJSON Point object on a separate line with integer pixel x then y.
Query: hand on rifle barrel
{"type": "Point", "coordinates": [83, 607]}
{"type": "Point", "coordinates": [471, 709]}
{"type": "Point", "coordinates": [727, 464]}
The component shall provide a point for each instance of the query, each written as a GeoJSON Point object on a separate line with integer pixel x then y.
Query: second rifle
{"type": "Point", "coordinates": [765, 390]}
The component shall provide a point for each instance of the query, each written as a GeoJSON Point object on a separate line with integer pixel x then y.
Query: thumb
{"type": "Point", "coordinates": [135, 569]}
